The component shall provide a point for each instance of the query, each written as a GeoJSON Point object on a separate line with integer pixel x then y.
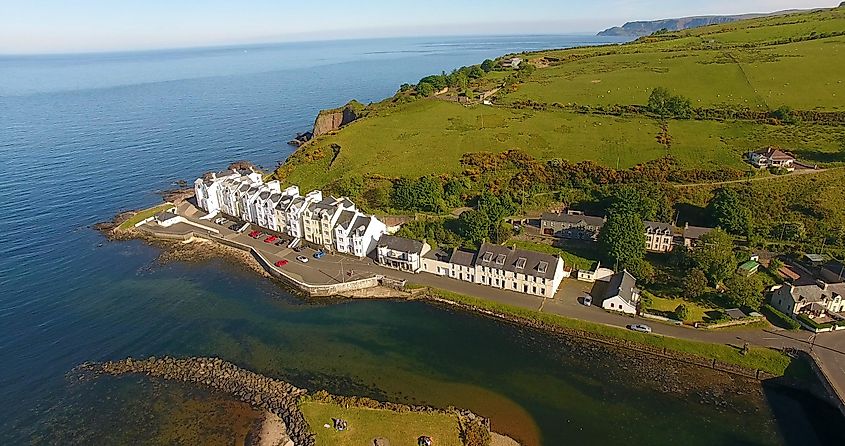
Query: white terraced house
{"type": "Point", "coordinates": [262, 208]}
{"type": "Point", "coordinates": [319, 218]}
{"type": "Point", "coordinates": [207, 190]}
{"type": "Point", "coordinates": [295, 210]}
{"type": "Point", "coordinates": [659, 237]}
{"type": "Point", "coordinates": [357, 234]}
{"type": "Point", "coordinates": [233, 190]}
{"type": "Point", "coordinates": [288, 196]}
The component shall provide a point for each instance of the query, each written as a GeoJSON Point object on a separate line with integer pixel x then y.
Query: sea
{"type": "Point", "coordinates": [84, 136]}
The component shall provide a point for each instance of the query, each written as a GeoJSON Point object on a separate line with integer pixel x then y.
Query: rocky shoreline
{"type": "Point", "coordinates": [284, 422]}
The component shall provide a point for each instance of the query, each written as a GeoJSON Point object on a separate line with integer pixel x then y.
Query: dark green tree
{"type": "Point", "coordinates": [474, 226]}
{"type": "Point", "coordinates": [729, 212]}
{"type": "Point", "coordinates": [714, 255]}
{"type": "Point", "coordinates": [475, 72]}
{"type": "Point", "coordinates": [658, 101]}
{"type": "Point", "coordinates": [650, 202]}
{"type": "Point", "coordinates": [682, 312]}
{"type": "Point", "coordinates": [695, 284]}
{"type": "Point", "coordinates": [488, 65]}
{"type": "Point", "coordinates": [744, 291]}
{"type": "Point", "coordinates": [425, 89]}
{"type": "Point", "coordinates": [622, 238]}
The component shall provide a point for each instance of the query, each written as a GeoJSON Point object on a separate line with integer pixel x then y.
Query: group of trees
{"type": "Point", "coordinates": [421, 194]}
{"type": "Point", "coordinates": [663, 103]}
{"type": "Point", "coordinates": [458, 79]}
{"type": "Point", "coordinates": [486, 220]}
{"type": "Point", "coordinates": [729, 212]}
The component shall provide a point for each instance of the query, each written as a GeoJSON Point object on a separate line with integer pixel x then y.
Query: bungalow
{"type": "Point", "coordinates": [511, 62]}
{"type": "Point", "coordinates": [622, 294]}
{"type": "Point", "coordinates": [815, 299]}
{"type": "Point", "coordinates": [518, 270]}
{"type": "Point", "coordinates": [571, 225]}
{"type": "Point", "coordinates": [772, 158]}
{"type": "Point", "coordinates": [401, 253]}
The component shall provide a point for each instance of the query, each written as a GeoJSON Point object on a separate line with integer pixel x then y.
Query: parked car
{"type": "Point", "coordinates": [281, 263]}
{"type": "Point", "coordinates": [302, 259]}
{"type": "Point", "coordinates": [281, 242]}
{"type": "Point", "coordinates": [319, 254]}
{"type": "Point", "coordinates": [298, 249]}
{"type": "Point", "coordinates": [254, 234]}
{"type": "Point", "coordinates": [642, 328]}
{"type": "Point", "coordinates": [270, 239]}
{"type": "Point", "coordinates": [587, 300]}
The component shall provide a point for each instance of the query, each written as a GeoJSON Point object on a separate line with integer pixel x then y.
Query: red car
{"type": "Point", "coordinates": [254, 234]}
{"type": "Point", "coordinates": [270, 239]}
{"type": "Point", "coordinates": [281, 263]}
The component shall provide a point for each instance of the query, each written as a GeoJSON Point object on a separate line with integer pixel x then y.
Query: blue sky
{"type": "Point", "coordinates": [39, 26]}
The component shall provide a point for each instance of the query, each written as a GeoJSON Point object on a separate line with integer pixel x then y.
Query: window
{"type": "Point", "coordinates": [543, 267]}
{"type": "Point", "coordinates": [500, 259]}
{"type": "Point", "coordinates": [520, 264]}
{"type": "Point", "coordinates": [487, 257]}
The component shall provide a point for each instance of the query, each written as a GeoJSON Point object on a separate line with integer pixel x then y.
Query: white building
{"type": "Point", "coordinates": [293, 214]}
{"type": "Point", "coordinates": [401, 253]}
{"type": "Point", "coordinates": [357, 234]}
{"type": "Point", "coordinates": [772, 158]}
{"type": "Point", "coordinates": [518, 270]}
{"type": "Point", "coordinates": [207, 190]}
{"type": "Point", "coordinates": [622, 294]}
{"type": "Point", "coordinates": [659, 237]}
{"type": "Point", "coordinates": [817, 299]}
{"type": "Point", "coordinates": [319, 219]}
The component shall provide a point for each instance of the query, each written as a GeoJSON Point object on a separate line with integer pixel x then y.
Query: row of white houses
{"type": "Point", "coordinates": [330, 222]}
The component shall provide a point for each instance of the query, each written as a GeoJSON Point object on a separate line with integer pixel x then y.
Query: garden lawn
{"type": "Point", "coordinates": [368, 424]}
{"type": "Point", "coordinates": [664, 306]}
{"type": "Point", "coordinates": [143, 215]}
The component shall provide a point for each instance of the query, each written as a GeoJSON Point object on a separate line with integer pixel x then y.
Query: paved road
{"type": "Point", "coordinates": [829, 348]}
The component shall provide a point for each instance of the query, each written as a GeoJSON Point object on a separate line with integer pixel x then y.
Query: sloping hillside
{"type": "Point", "coordinates": [751, 84]}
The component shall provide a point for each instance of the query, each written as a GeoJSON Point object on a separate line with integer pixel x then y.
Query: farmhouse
{"type": "Point", "coordinates": [772, 158]}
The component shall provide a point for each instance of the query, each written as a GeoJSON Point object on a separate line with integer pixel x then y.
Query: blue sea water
{"type": "Point", "coordinates": [84, 136]}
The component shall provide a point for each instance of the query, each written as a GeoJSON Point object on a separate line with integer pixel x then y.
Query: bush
{"type": "Point", "coordinates": [682, 312]}
{"type": "Point", "coordinates": [780, 318]}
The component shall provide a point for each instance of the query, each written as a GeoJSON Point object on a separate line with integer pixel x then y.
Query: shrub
{"type": "Point", "coordinates": [781, 318]}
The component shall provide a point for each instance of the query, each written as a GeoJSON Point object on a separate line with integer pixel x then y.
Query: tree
{"type": "Point", "coordinates": [658, 101]}
{"type": "Point", "coordinates": [623, 239]}
{"type": "Point", "coordinates": [476, 72]}
{"type": "Point", "coordinates": [695, 284]}
{"type": "Point", "coordinates": [682, 312]}
{"type": "Point", "coordinates": [642, 270]}
{"type": "Point", "coordinates": [350, 186]}
{"type": "Point", "coordinates": [474, 226]}
{"type": "Point", "coordinates": [729, 212]}
{"type": "Point", "coordinates": [744, 291]}
{"type": "Point", "coordinates": [714, 255]}
{"type": "Point", "coordinates": [488, 65]}
{"type": "Point", "coordinates": [425, 89]}
{"type": "Point", "coordinates": [649, 202]}
{"type": "Point", "coordinates": [423, 194]}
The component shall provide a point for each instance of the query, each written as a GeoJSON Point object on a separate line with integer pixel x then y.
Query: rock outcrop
{"type": "Point", "coordinates": [645, 28]}
{"type": "Point", "coordinates": [332, 120]}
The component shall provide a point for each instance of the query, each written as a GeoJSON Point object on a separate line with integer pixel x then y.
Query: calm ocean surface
{"type": "Point", "coordinates": [83, 136]}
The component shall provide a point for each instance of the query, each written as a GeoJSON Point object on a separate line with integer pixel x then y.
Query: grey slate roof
{"type": "Point", "coordinates": [574, 219]}
{"type": "Point", "coordinates": [695, 232]}
{"type": "Point", "coordinates": [517, 260]}
{"type": "Point", "coordinates": [835, 268]}
{"type": "Point", "coordinates": [814, 293]}
{"type": "Point", "coordinates": [658, 227]}
{"type": "Point", "coordinates": [622, 284]}
{"type": "Point", "coordinates": [401, 244]}
{"type": "Point", "coordinates": [362, 222]}
{"type": "Point", "coordinates": [345, 219]}
{"type": "Point", "coordinates": [462, 258]}
{"type": "Point", "coordinates": [439, 254]}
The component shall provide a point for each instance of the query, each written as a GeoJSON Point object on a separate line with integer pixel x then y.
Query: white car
{"type": "Point", "coordinates": [642, 328]}
{"type": "Point", "coordinates": [302, 259]}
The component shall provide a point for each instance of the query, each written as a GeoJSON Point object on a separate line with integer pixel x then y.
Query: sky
{"type": "Point", "coordinates": [59, 26]}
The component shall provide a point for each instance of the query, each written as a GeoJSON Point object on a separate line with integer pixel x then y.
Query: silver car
{"type": "Point", "coordinates": [642, 328]}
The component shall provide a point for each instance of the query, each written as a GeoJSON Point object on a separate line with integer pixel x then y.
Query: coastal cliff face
{"type": "Point", "coordinates": [332, 120]}
{"type": "Point", "coordinates": [645, 28]}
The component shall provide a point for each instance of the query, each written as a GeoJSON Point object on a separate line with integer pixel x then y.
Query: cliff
{"type": "Point", "coordinates": [644, 28]}
{"type": "Point", "coordinates": [332, 120]}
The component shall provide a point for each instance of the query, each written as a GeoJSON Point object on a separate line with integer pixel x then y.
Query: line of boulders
{"type": "Point", "coordinates": [257, 390]}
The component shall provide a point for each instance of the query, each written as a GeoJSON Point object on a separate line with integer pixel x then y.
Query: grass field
{"type": "Point", "coordinates": [368, 424]}
{"type": "Point", "coordinates": [570, 259]}
{"type": "Point", "coordinates": [143, 215]}
{"type": "Point", "coordinates": [664, 307]}
{"type": "Point", "coordinates": [743, 65]}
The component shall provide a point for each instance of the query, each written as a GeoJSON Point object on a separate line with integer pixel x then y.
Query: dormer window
{"type": "Point", "coordinates": [487, 257]}
{"type": "Point", "coordinates": [520, 264]}
{"type": "Point", "coordinates": [543, 267]}
{"type": "Point", "coordinates": [500, 259]}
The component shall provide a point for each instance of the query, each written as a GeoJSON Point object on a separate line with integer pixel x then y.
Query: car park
{"type": "Point", "coordinates": [302, 259]}
{"type": "Point", "coordinates": [281, 263]}
{"type": "Point", "coordinates": [642, 328]}
{"type": "Point", "coordinates": [319, 254]}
